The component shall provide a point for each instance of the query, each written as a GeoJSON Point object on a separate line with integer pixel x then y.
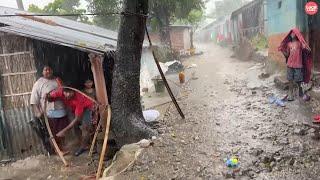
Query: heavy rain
{"type": "Point", "coordinates": [159, 89]}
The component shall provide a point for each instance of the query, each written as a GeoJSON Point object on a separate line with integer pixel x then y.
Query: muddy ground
{"type": "Point", "coordinates": [227, 113]}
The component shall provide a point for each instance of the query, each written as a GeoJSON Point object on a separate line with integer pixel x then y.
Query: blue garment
{"type": "Point", "coordinates": [59, 113]}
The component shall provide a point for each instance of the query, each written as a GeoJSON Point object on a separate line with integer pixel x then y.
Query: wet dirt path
{"type": "Point", "coordinates": [227, 113]}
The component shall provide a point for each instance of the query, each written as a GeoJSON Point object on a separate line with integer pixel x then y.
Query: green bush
{"type": "Point", "coordinates": [260, 42]}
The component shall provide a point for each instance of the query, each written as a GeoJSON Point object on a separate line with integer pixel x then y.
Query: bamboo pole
{"type": "Point", "coordinates": [14, 54]}
{"type": "Point", "coordinates": [52, 140]}
{"type": "Point", "coordinates": [105, 143]}
{"type": "Point", "coordinates": [19, 73]}
{"type": "Point", "coordinates": [164, 78]}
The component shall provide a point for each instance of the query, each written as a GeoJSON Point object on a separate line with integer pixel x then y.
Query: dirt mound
{"type": "Point", "coordinates": [28, 163]}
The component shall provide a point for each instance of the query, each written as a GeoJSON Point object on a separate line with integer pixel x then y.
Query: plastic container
{"type": "Point", "coordinates": [158, 85]}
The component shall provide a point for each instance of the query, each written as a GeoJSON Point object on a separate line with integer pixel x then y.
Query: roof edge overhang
{"type": "Point", "coordinates": [74, 46]}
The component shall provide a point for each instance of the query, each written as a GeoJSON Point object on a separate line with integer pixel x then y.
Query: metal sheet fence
{"type": "Point", "coordinates": [17, 75]}
{"type": "Point", "coordinates": [22, 141]}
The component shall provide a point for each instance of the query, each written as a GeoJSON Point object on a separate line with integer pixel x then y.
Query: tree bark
{"type": "Point", "coordinates": [20, 4]}
{"type": "Point", "coordinates": [127, 122]}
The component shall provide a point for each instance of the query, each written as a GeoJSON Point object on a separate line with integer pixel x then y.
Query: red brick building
{"type": "Point", "coordinates": [180, 37]}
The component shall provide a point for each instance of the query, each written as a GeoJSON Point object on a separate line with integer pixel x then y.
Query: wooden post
{"type": "Point", "coordinates": [99, 83]}
{"type": "Point", "coordinates": [102, 98]}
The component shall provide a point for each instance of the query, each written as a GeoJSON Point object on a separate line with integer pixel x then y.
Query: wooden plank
{"type": "Point", "coordinates": [102, 97]}
{"type": "Point", "coordinates": [15, 53]}
{"type": "Point", "coordinates": [10, 85]}
{"type": "Point", "coordinates": [19, 73]}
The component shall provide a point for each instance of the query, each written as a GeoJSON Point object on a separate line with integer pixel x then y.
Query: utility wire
{"type": "Point", "coordinates": [76, 14]}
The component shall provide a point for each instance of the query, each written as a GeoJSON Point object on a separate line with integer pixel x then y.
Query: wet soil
{"type": "Point", "coordinates": [228, 113]}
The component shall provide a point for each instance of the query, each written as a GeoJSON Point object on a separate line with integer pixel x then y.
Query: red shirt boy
{"type": "Point", "coordinates": [82, 108]}
{"type": "Point", "coordinates": [76, 102]}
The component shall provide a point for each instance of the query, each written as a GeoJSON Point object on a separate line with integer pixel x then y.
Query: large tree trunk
{"type": "Point", "coordinates": [127, 122]}
{"type": "Point", "coordinates": [20, 4]}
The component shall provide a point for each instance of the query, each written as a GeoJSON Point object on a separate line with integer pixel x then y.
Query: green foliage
{"type": "Point", "coordinates": [162, 12]}
{"type": "Point", "coordinates": [182, 8]}
{"type": "Point", "coordinates": [194, 18]}
{"type": "Point", "coordinates": [62, 7]}
{"type": "Point", "coordinates": [183, 11]}
{"type": "Point", "coordinates": [259, 41]}
{"type": "Point", "coordinates": [154, 23]}
{"type": "Point", "coordinates": [105, 7]}
{"type": "Point", "coordinates": [35, 9]}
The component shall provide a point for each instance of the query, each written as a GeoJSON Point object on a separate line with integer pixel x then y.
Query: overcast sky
{"type": "Point", "coordinates": [210, 6]}
{"type": "Point", "coordinates": [26, 3]}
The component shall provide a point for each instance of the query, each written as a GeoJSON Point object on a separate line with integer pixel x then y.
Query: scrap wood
{"type": "Point", "coordinates": [52, 140]}
{"type": "Point", "coordinates": [96, 134]}
{"type": "Point", "coordinates": [90, 177]}
{"type": "Point", "coordinates": [94, 139]}
{"type": "Point", "coordinates": [104, 146]}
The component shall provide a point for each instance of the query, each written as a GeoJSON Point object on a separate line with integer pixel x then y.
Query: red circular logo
{"type": "Point", "coordinates": [311, 8]}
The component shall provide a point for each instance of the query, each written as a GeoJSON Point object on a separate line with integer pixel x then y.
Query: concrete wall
{"type": "Point", "coordinates": [148, 70]}
{"type": "Point", "coordinates": [281, 19]}
{"type": "Point", "coordinates": [273, 43]}
{"type": "Point", "coordinates": [180, 38]}
{"type": "Point", "coordinates": [187, 39]}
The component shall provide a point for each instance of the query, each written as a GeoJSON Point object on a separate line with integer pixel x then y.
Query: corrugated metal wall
{"type": "Point", "coordinates": [18, 73]}
{"type": "Point", "coordinates": [248, 21]}
{"type": "Point", "coordinates": [4, 136]}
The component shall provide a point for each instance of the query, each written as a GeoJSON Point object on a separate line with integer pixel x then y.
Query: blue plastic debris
{"type": "Point", "coordinates": [272, 99]}
{"type": "Point", "coordinates": [280, 103]}
{"type": "Point", "coordinates": [275, 100]}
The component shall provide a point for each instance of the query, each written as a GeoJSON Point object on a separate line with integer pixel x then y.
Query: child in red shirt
{"type": "Point", "coordinates": [81, 107]}
{"type": "Point", "coordinates": [297, 52]}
